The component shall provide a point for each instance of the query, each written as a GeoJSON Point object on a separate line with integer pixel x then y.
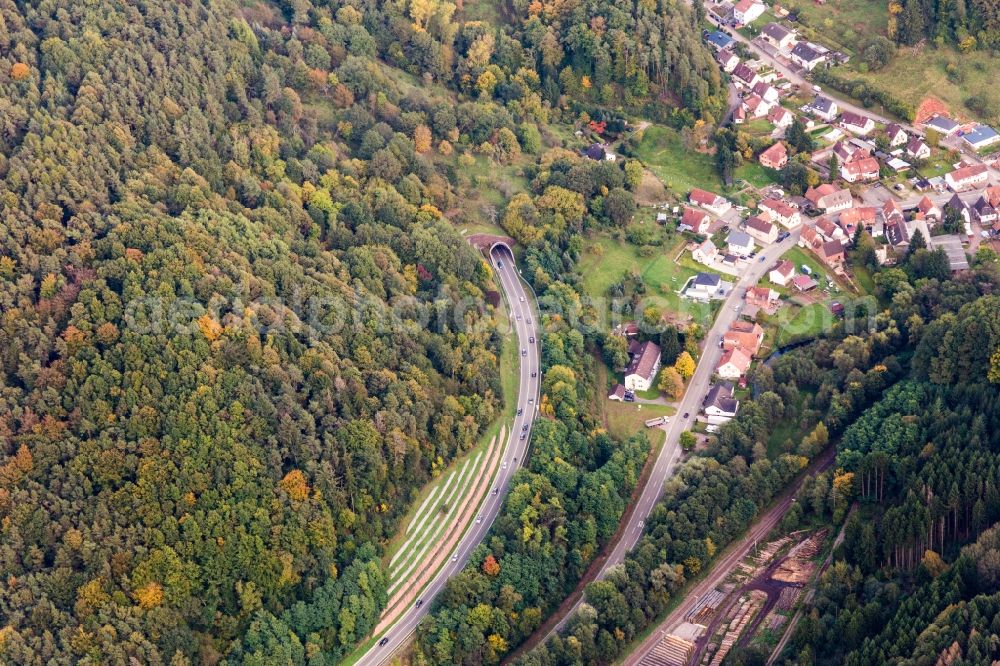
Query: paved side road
{"type": "Point", "coordinates": [690, 404]}
{"type": "Point", "coordinates": [522, 305]}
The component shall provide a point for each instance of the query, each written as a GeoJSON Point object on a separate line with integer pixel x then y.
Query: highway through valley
{"type": "Point", "coordinates": [524, 322]}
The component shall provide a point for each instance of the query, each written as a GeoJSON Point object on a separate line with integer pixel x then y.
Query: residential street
{"type": "Point", "coordinates": [690, 404]}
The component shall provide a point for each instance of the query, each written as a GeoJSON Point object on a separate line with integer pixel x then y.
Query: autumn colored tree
{"type": "Point", "coordinates": [684, 365]}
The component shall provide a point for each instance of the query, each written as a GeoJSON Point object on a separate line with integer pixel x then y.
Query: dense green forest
{"type": "Point", "coordinates": [926, 464]}
{"type": "Point", "coordinates": [227, 358]}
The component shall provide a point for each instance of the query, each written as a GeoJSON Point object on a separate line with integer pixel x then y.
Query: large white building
{"type": "Point", "coordinates": [642, 369]}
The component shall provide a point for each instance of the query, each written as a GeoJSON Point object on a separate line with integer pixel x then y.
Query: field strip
{"type": "Point", "coordinates": [428, 537]}
{"type": "Point", "coordinates": [417, 524]}
{"type": "Point", "coordinates": [423, 507]}
{"type": "Point", "coordinates": [481, 488]}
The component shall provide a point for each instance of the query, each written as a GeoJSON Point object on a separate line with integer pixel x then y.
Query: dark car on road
{"type": "Point", "coordinates": [687, 414]}
{"type": "Point", "coordinates": [382, 642]}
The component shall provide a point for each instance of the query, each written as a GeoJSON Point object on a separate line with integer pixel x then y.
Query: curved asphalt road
{"type": "Point", "coordinates": [690, 404]}
{"type": "Point", "coordinates": [520, 303]}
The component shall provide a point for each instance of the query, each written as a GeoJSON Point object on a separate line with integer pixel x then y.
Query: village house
{"type": "Point", "coordinates": [803, 283]}
{"type": "Point", "coordinates": [762, 298]}
{"type": "Point", "coordinates": [897, 234]}
{"type": "Point", "coordinates": [697, 221]}
{"type": "Point", "coordinates": [832, 253]}
{"type": "Point", "coordinates": [856, 123]}
{"type": "Point", "coordinates": [981, 137]}
{"type": "Point", "coordinates": [761, 229]}
{"type": "Point", "coordinates": [782, 273]}
{"type": "Point", "coordinates": [956, 203]}
{"type": "Point", "coordinates": [777, 36]}
{"type": "Point", "coordinates": [719, 40]}
{"type": "Point", "coordinates": [705, 253]}
{"type": "Point", "coordinates": [756, 106]}
{"type": "Point", "coordinates": [727, 60]}
{"type": "Point", "coordinates": [705, 287]}
{"type": "Point", "coordinates": [859, 170]}
{"type": "Point", "coordinates": [824, 108]}
{"type": "Point", "coordinates": [942, 124]}
{"type": "Point", "coordinates": [713, 203]}
{"type": "Point", "coordinates": [719, 405]}
{"type": "Point", "coordinates": [828, 230]}
{"type": "Point", "coordinates": [891, 212]}
{"type": "Point", "coordinates": [744, 335]}
{"type": "Point", "coordinates": [642, 369]}
{"type": "Point", "coordinates": [984, 211]}
{"type": "Point", "coordinates": [733, 364]}
{"type": "Point", "coordinates": [810, 238]}
{"type": "Point", "coordinates": [846, 151]}
{"type": "Point", "coordinates": [748, 11]}
{"type": "Point", "coordinates": [779, 116]}
{"type": "Point", "coordinates": [967, 177]}
{"type": "Point", "coordinates": [739, 243]}
{"type": "Point", "coordinates": [917, 149]}
{"type": "Point", "coordinates": [767, 92]}
{"type": "Point", "coordinates": [929, 209]}
{"type": "Point", "coordinates": [742, 74]}
{"type": "Point", "coordinates": [775, 157]}
{"type": "Point", "coordinates": [866, 216]}
{"type": "Point", "coordinates": [992, 195]}
{"type": "Point", "coordinates": [829, 198]}
{"type": "Point", "coordinates": [781, 212]}
{"type": "Point", "coordinates": [806, 56]}
{"type": "Point", "coordinates": [739, 115]}
{"type": "Point", "coordinates": [897, 135]}
{"type": "Point", "coordinates": [617, 393]}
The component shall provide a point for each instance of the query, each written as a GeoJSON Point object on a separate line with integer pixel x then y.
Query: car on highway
{"type": "Point", "coordinates": [524, 427]}
{"type": "Point", "coordinates": [534, 374]}
{"type": "Point", "coordinates": [523, 436]}
{"type": "Point", "coordinates": [454, 558]}
{"type": "Point", "coordinates": [531, 401]}
{"type": "Point", "coordinates": [519, 317]}
{"type": "Point", "coordinates": [382, 643]}
{"type": "Point", "coordinates": [529, 320]}
{"type": "Point", "coordinates": [520, 410]}
{"type": "Point", "coordinates": [531, 339]}
{"type": "Point", "coordinates": [496, 491]}
{"type": "Point", "coordinates": [479, 519]}
{"type": "Point", "coordinates": [420, 602]}
{"type": "Point", "coordinates": [524, 352]}
{"type": "Point", "coordinates": [687, 414]}
{"type": "Point", "coordinates": [499, 263]}
{"type": "Point", "coordinates": [504, 466]}
{"type": "Point", "coordinates": [736, 308]}
{"type": "Point", "coordinates": [522, 299]}
{"type": "Point", "coordinates": [762, 259]}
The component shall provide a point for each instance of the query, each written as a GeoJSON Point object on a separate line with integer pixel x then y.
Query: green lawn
{"type": "Point", "coordinates": [626, 418]}
{"type": "Point", "coordinates": [757, 175]}
{"type": "Point", "coordinates": [660, 273]}
{"type": "Point", "coordinates": [795, 322]}
{"type": "Point", "coordinates": [917, 72]}
{"type": "Point", "coordinates": [798, 256]}
{"type": "Point", "coordinates": [844, 24]}
{"type": "Point", "coordinates": [680, 169]}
